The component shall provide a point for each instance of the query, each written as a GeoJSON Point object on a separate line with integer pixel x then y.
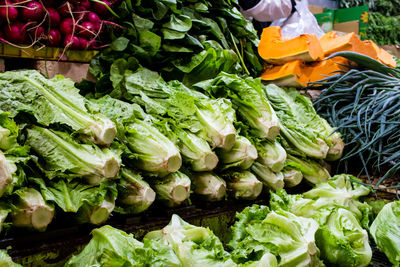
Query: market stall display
{"type": "Point", "coordinates": [179, 121]}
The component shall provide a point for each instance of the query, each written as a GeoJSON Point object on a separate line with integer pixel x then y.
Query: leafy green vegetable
{"type": "Point", "coordinates": [290, 238]}
{"type": "Point", "coordinates": [51, 101]}
{"type": "Point", "coordinates": [71, 196]}
{"type": "Point", "coordinates": [64, 157]}
{"type": "Point", "coordinates": [249, 98]}
{"type": "Point", "coordinates": [339, 191]}
{"type": "Point", "coordinates": [208, 186]}
{"type": "Point", "coordinates": [147, 148]}
{"type": "Point", "coordinates": [210, 119]}
{"type": "Point", "coordinates": [385, 231]}
{"type": "Point", "coordinates": [196, 152]}
{"type": "Point", "coordinates": [11, 173]}
{"type": "Point", "coordinates": [4, 211]}
{"type": "Point", "coordinates": [194, 246]}
{"type": "Point", "coordinates": [243, 184]}
{"type": "Point", "coordinates": [172, 189]}
{"type": "Point", "coordinates": [97, 214]}
{"type": "Point", "coordinates": [6, 260]}
{"type": "Point", "coordinates": [312, 171]}
{"type": "Point", "coordinates": [241, 155]}
{"type": "Point", "coordinates": [342, 240]}
{"type": "Point", "coordinates": [300, 124]}
{"type": "Point", "coordinates": [291, 177]}
{"type": "Point", "coordinates": [134, 194]}
{"type": "Point", "coordinates": [269, 178]}
{"type": "Point", "coordinates": [30, 210]}
{"type": "Point", "coordinates": [272, 155]}
{"type": "Point", "coordinates": [186, 40]}
{"type": "Point", "coordinates": [8, 132]}
{"type": "Point", "coordinates": [112, 247]}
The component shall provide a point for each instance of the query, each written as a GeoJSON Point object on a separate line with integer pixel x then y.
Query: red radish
{"type": "Point", "coordinates": [67, 26]}
{"type": "Point", "coordinates": [36, 32]}
{"type": "Point", "coordinates": [63, 10]}
{"type": "Point", "coordinates": [87, 30]}
{"type": "Point", "coordinates": [54, 18]}
{"type": "Point", "coordinates": [75, 2]}
{"type": "Point", "coordinates": [33, 11]}
{"type": "Point", "coordinates": [71, 42]}
{"type": "Point", "coordinates": [83, 43]}
{"type": "Point", "coordinates": [54, 37]}
{"type": "Point", "coordinates": [101, 9]}
{"type": "Point", "coordinates": [8, 11]}
{"type": "Point", "coordinates": [93, 17]}
{"type": "Point", "coordinates": [85, 4]}
{"type": "Point", "coordinates": [80, 13]}
{"type": "Point", "coordinates": [15, 33]}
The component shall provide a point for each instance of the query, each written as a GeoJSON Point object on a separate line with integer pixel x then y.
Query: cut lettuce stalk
{"type": "Point", "coordinates": [312, 171]}
{"type": "Point", "coordinates": [134, 194]}
{"type": "Point", "coordinates": [248, 96]}
{"type": "Point", "coordinates": [218, 129]}
{"type": "Point", "coordinates": [209, 186]}
{"type": "Point", "coordinates": [272, 154]}
{"type": "Point", "coordinates": [30, 210]}
{"type": "Point", "coordinates": [291, 177]}
{"type": "Point", "coordinates": [53, 100]}
{"type": "Point", "coordinates": [63, 156]}
{"type": "Point", "coordinates": [332, 139]}
{"type": "Point", "coordinates": [242, 154]}
{"type": "Point", "coordinates": [151, 150]}
{"type": "Point", "coordinates": [243, 185]}
{"type": "Point", "coordinates": [97, 214]}
{"type": "Point", "coordinates": [173, 189]}
{"type": "Point", "coordinates": [267, 176]}
{"type": "Point", "coordinates": [196, 151]}
{"type": "Point", "coordinates": [147, 148]}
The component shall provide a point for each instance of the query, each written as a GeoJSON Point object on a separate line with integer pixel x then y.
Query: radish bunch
{"type": "Point", "coordinates": [74, 24]}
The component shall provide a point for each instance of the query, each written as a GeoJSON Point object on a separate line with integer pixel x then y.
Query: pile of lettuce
{"type": "Point", "coordinates": [325, 226]}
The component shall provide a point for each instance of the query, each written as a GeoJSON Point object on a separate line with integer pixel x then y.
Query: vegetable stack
{"type": "Point", "coordinates": [71, 24]}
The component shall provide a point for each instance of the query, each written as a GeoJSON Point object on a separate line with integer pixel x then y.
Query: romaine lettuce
{"type": "Point", "coordinates": [241, 155]}
{"type": "Point", "coordinates": [290, 238]}
{"type": "Point", "coordinates": [194, 246]}
{"type": "Point", "coordinates": [64, 157]}
{"type": "Point", "coordinates": [385, 230]}
{"type": "Point", "coordinates": [248, 96]}
{"type": "Point", "coordinates": [243, 184]}
{"type": "Point", "coordinates": [51, 101]}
